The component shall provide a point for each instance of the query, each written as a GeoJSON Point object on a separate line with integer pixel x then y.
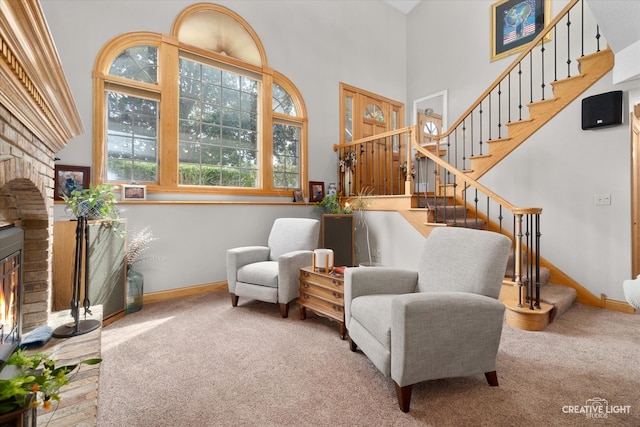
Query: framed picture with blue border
{"type": "Point", "coordinates": [515, 23]}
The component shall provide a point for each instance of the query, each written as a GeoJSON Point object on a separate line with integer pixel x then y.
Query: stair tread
{"type": "Point", "coordinates": [562, 297]}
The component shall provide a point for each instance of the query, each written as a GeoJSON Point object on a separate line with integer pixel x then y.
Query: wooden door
{"type": "Point", "coordinates": [429, 127]}
{"type": "Point", "coordinates": [366, 114]}
{"type": "Point", "coordinates": [374, 117]}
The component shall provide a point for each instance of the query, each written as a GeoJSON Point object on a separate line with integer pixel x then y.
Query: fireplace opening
{"type": "Point", "coordinates": [11, 249]}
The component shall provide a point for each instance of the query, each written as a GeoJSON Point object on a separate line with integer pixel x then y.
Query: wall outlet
{"type": "Point", "coordinates": [603, 199]}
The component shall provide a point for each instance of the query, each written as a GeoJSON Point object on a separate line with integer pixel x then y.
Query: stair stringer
{"type": "Point", "coordinates": [421, 218]}
{"type": "Point", "coordinates": [592, 68]}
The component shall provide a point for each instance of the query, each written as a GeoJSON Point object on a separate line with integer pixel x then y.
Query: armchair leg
{"type": "Point", "coordinates": [492, 378]}
{"type": "Point", "coordinates": [284, 310]}
{"type": "Point", "coordinates": [404, 396]}
{"type": "Point", "coordinates": [352, 345]}
{"type": "Point", "coordinates": [234, 299]}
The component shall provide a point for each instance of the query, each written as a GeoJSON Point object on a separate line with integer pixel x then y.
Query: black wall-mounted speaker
{"type": "Point", "coordinates": [602, 110]}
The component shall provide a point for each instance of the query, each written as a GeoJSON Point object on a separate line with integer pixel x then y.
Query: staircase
{"type": "Point", "coordinates": [554, 299]}
{"type": "Point", "coordinates": [592, 68]}
{"type": "Point", "coordinates": [535, 292]}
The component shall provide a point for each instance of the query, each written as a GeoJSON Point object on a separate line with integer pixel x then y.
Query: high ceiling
{"type": "Point", "coordinates": [404, 6]}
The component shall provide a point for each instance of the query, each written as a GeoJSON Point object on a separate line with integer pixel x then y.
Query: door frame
{"type": "Point", "coordinates": [635, 190]}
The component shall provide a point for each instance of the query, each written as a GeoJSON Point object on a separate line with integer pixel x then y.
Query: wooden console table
{"type": "Point", "coordinates": [322, 293]}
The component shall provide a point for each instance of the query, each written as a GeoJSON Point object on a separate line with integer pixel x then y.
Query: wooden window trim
{"type": "Point", "coordinates": [166, 91]}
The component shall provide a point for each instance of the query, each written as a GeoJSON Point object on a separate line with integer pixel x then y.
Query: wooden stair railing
{"type": "Point", "coordinates": [379, 165]}
{"type": "Point", "coordinates": [519, 101]}
{"type": "Point", "coordinates": [502, 118]}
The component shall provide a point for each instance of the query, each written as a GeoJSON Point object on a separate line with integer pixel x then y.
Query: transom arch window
{"type": "Point", "coordinates": [139, 63]}
{"type": "Point", "coordinates": [373, 112]}
{"type": "Point", "coordinates": [191, 114]}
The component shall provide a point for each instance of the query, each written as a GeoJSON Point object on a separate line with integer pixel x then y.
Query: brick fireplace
{"type": "Point", "coordinates": [37, 118]}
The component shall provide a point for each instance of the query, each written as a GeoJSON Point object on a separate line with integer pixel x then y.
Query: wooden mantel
{"type": "Point", "coordinates": [32, 83]}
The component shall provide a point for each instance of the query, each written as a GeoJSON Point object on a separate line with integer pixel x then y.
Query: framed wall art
{"type": "Point", "coordinates": [134, 192]}
{"type": "Point", "coordinates": [515, 23]}
{"type": "Point", "coordinates": [316, 191]}
{"type": "Point", "coordinates": [69, 178]}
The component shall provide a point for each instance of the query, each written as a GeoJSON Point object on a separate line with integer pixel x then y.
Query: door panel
{"type": "Point", "coordinates": [378, 161]}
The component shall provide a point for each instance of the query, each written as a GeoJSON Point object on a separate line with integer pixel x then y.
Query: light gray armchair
{"type": "Point", "coordinates": [272, 273]}
{"type": "Point", "coordinates": [443, 320]}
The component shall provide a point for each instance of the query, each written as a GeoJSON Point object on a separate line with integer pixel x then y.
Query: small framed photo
{"type": "Point", "coordinates": [316, 191]}
{"type": "Point", "coordinates": [514, 23]}
{"type": "Point", "coordinates": [69, 178]}
{"type": "Point", "coordinates": [134, 192]}
{"type": "Point", "coordinates": [297, 196]}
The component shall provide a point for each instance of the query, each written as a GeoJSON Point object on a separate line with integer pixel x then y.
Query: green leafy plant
{"type": "Point", "coordinates": [97, 202]}
{"type": "Point", "coordinates": [37, 381]}
{"type": "Point", "coordinates": [331, 204]}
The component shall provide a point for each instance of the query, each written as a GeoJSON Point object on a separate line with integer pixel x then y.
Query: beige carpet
{"type": "Point", "coordinates": [199, 362]}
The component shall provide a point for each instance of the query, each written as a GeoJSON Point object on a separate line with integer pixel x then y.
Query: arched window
{"type": "Point", "coordinates": [197, 111]}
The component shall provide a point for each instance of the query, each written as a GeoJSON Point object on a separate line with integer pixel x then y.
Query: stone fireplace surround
{"type": "Point", "coordinates": [38, 117]}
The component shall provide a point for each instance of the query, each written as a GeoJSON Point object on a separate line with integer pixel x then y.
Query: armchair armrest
{"type": "Point", "coordinates": [239, 257]}
{"type": "Point", "coordinates": [444, 334]}
{"type": "Point", "coordinates": [289, 266]}
{"type": "Point", "coordinates": [376, 280]}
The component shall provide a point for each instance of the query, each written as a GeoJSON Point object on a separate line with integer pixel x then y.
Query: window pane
{"type": "Point", "coordinates": [348, 119]}
{"type": "Point", "coordinates": [230, 80]}
{"type": "Point", "coordinates": [138, 63]}
{"type": "Point", "coordinates": [249, 86]}
{"type": "Point", "coordinates": [211, 75]}
{"type": "Point", "coordinates": [374, 112]}
{"type": "Point", "coordinates": [282, 102]}
{"type": "Point", "coordinates": [286, 156]}
{"type": "Point", "coordinates": [132, 138]}
{"type": "Point", "coordinates": [218, 127]}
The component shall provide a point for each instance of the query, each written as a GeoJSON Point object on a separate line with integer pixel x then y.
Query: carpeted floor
{"type": "Point", "coordinates": [197, 361]}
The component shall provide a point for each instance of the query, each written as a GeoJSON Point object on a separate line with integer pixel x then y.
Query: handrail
{"type": "Point", "coordinates": [408, 129]}
{"type": "Point", "coordinates": [473, 183]}
{"type": "Point", "coordinates": [509, 69]}
{"type": "Point", "coordinates": [383, 172]}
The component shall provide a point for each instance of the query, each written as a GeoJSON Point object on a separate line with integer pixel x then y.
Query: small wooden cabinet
{"type": "Point", "coordinates": [323, 293]}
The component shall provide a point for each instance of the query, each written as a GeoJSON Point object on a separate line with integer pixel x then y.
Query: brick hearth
{"type": "Point", "coordinates": [78, 406]}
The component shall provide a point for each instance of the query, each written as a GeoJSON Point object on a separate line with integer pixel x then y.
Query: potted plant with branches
{"type": "Point", "coordinates": [138, 245]}
{"type": "Point", "coordinates": [360, 205]}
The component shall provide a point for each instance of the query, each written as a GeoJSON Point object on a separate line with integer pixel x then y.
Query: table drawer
{"type": "Point", "coordinates": [328, 308]}
{"type": "Point", "coordinates": [330, 295]}
{"type": "Point", "coordinates": [323, 280]}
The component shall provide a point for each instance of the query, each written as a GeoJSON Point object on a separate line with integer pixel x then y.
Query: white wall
{"type": "Point", "coordinates": [316, 44]}
{"type": "Point", "coordinates": [559, 169]}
